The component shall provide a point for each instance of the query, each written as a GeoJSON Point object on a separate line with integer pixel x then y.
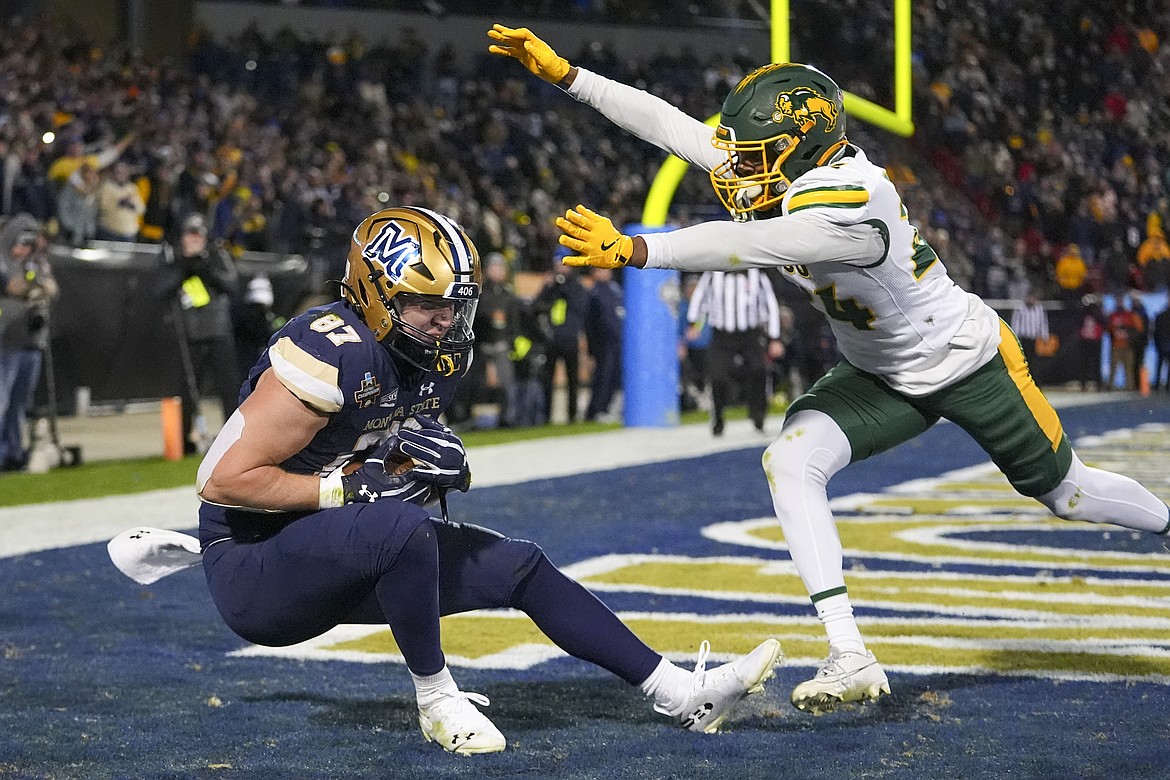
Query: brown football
{"type": "Point", "coordinates": [392, 467]}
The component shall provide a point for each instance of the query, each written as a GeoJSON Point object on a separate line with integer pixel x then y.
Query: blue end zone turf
{"type": "Point", "coordinates": [100, 678]}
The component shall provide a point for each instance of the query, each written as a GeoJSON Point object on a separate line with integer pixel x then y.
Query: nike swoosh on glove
{"type": "Point", "coordinates": [594, 238]}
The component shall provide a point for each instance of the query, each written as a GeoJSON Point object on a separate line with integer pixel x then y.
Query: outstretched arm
{"type": "Point", "coordinates": [639, 113]}
{"type": "Point", "coordinates": [795, 239]}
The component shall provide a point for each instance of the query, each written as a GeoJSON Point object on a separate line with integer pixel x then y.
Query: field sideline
{"type": "Point", "coordinates": [1018, 646]}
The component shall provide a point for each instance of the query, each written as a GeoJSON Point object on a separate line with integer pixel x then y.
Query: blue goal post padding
{"type": "Point", "coordinates": [650, 371]}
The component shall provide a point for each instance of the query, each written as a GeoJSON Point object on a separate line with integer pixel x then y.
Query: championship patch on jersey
{"type": "Point", "coordinates": [393, 249]}
{"type": "Point", "coordinates": [365, 395]}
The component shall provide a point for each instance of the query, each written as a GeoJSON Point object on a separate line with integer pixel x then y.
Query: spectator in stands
{"type": "Point", "coordinates": [74, 156]}
{"type": "Point", "coordinates": [497, 322]}
{"type": "Point", "coordinates": [603, 335]}
{"type": "Point", "coordinates": [1162, 349]}
{"type": "Point", "coordinates": [120, 206]}
{"type": "Point", "coordinates": [529, 356]}
{"type": "Point", "coordinates": [1090, 336]}
{"type": "Point", "coordinates": [561, 306]}
{"type": "Point", "coordinates": [27, 287]}
{"type": "Point", "coordinates": [1123, 331]}
{"type": "Point", "coordinates": [693, 343]}
{"type": "Point", "coordinates": [1141, 337]}
{"type": "Point", "coordinates": [1153, 255]}
{"type": "Point", "coordinates": [791, 368]}
{"type": "Point", "coordinates": [199, 279]}
{"type": "Point", "coordinates": [1070, 273]}
{"type": "Point", "coordinates": [253, 320]}
{"type": "Point", "coordinates": [77, 206]}
{"type": "Point", "coordinates": [32, 193]}
{"type": "Point", "coordinates": [1030, 324]}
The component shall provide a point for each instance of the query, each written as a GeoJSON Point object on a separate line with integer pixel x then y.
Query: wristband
{"type": "Point", "coordinates": [332, 490]}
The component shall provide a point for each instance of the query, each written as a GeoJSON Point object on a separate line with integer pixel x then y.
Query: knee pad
{"type": "Point", "coordinates": [816, 453]}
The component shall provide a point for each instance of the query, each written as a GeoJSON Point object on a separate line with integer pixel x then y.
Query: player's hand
{"type": "Point", "coordinates": [533, 53]}
{"type": "Point", "coordinates": [594, 238]}
{"type": "Point", "coordinates": [373, 480]}
{"type": "Point", "coordinates": [437, 452]}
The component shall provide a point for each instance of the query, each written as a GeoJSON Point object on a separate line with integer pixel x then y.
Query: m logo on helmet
{"type": "Point", "coordinates": [393, 249]}
{"type": "Point", "coordinates": [802, 105]}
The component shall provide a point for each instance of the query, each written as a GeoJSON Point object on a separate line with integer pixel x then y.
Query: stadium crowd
{"type": "Point", "coordinates": [1060, 140]}
{"type": "Point", "coordinates": [1042, 151]}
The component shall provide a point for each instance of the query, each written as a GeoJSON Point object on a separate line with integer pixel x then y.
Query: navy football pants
{"type": "Point", "coordinates": [388, 562]}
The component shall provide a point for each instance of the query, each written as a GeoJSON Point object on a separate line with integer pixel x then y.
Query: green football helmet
{"type": "Point", "coordinates": [780, 122]}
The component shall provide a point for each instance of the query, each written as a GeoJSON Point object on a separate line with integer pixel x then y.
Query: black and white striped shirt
{"type": "Point", "coordinates": [1030, 322]}
{"type": "Point", "coordinates": [735, 301]}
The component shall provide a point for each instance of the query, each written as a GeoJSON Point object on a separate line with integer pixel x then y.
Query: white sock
{"type": "Point", "coordinates": [669, 686]}
{"type": "Point", "coordinates": [429, 688]}
{"type": "Point", "coordinates": [836, 613]}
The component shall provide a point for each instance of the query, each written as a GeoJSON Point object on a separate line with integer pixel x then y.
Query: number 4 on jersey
{"type": "Point", "coordinates": [848, 310]}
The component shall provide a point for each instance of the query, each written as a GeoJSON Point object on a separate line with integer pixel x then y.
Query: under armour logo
{"type": "Point", "coordinates": [698, 715]}
{"type": "Point", "coordinates": [427, 389]}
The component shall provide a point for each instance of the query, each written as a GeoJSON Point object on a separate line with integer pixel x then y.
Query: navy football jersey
{"type": "Point", "coordinates": [329, 359]}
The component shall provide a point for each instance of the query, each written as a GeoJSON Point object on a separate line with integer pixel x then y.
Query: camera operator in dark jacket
{"type": "Point", "coordinates": [26, 288]}
{"type": "Point", "coordinates": [197, 280]}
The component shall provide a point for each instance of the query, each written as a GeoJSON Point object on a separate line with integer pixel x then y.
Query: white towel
{"type": "Point", "coordinates": [146, 555]}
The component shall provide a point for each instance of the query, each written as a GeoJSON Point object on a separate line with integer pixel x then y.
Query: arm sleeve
{"type": "Point", "coordinates": [648, 117]}
{"type": "Point", "coordinates": [795, 239]}
{"type": "Point", "coordinates": [306, 376]}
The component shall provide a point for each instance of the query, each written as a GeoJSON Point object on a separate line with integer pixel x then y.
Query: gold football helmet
{"type": "Point", "coordinates": [410, 254]}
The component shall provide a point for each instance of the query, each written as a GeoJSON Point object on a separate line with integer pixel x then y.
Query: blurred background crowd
{"type": "Point", "coordinates": [1040, 163]}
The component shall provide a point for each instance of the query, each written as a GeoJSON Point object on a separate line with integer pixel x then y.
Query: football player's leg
{"type": "Point", "coordinates": [1099, 496]}
{"type": "Point", "coordinates": [323, 569]}
{"type": "Point", "coordinates": [480, 569]}
{"type": "Point", "coordinates": [1003, 409]}
{"type": "Point", "coordinates": [847, 415]}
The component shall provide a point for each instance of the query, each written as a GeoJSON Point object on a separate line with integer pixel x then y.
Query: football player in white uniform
{"type": "Point", "coordinates": [915, 347]}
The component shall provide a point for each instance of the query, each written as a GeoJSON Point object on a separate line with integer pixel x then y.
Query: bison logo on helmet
{"type": "Point", "coordinates": [804, 105]}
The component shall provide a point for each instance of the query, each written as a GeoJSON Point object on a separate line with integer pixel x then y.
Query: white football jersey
{"type": "Point", "coordinates": [895, 314]}
{"type": "Point", "coordinates": [843, 236]}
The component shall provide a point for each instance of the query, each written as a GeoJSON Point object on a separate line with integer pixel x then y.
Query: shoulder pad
{"type": "Point", "coordinates": [828, 187]}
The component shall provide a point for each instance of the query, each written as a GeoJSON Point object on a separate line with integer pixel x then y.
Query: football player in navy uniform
{"type": "Point", "coordinates": [315, 494]}
{"type": "Point", "coordinates": [915, 346]}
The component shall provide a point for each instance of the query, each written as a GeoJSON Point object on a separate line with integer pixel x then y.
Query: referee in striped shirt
{"type": "Point", "coordinates": [1030, 324]}
{"type": "Point", "coordinates": [744, 315]}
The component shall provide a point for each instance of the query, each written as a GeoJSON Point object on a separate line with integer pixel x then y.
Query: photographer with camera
{"type": "Point", "coordinates": [198, 280]}
{"type": "Point", "coordinates": [27, 287]}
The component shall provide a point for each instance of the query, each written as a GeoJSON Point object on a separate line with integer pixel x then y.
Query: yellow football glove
{"type": "Point", "coordinates": [594, 238]}
{"type": "Point", "coordinates": [533, 53]}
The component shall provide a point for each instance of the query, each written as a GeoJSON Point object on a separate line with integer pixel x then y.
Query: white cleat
{"type": "Point", "coordinates": [453, 721]}
{"type": "Point", "coordinates": [714, 693]}
{"type": "Point", "coordinates": [845, 677]}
